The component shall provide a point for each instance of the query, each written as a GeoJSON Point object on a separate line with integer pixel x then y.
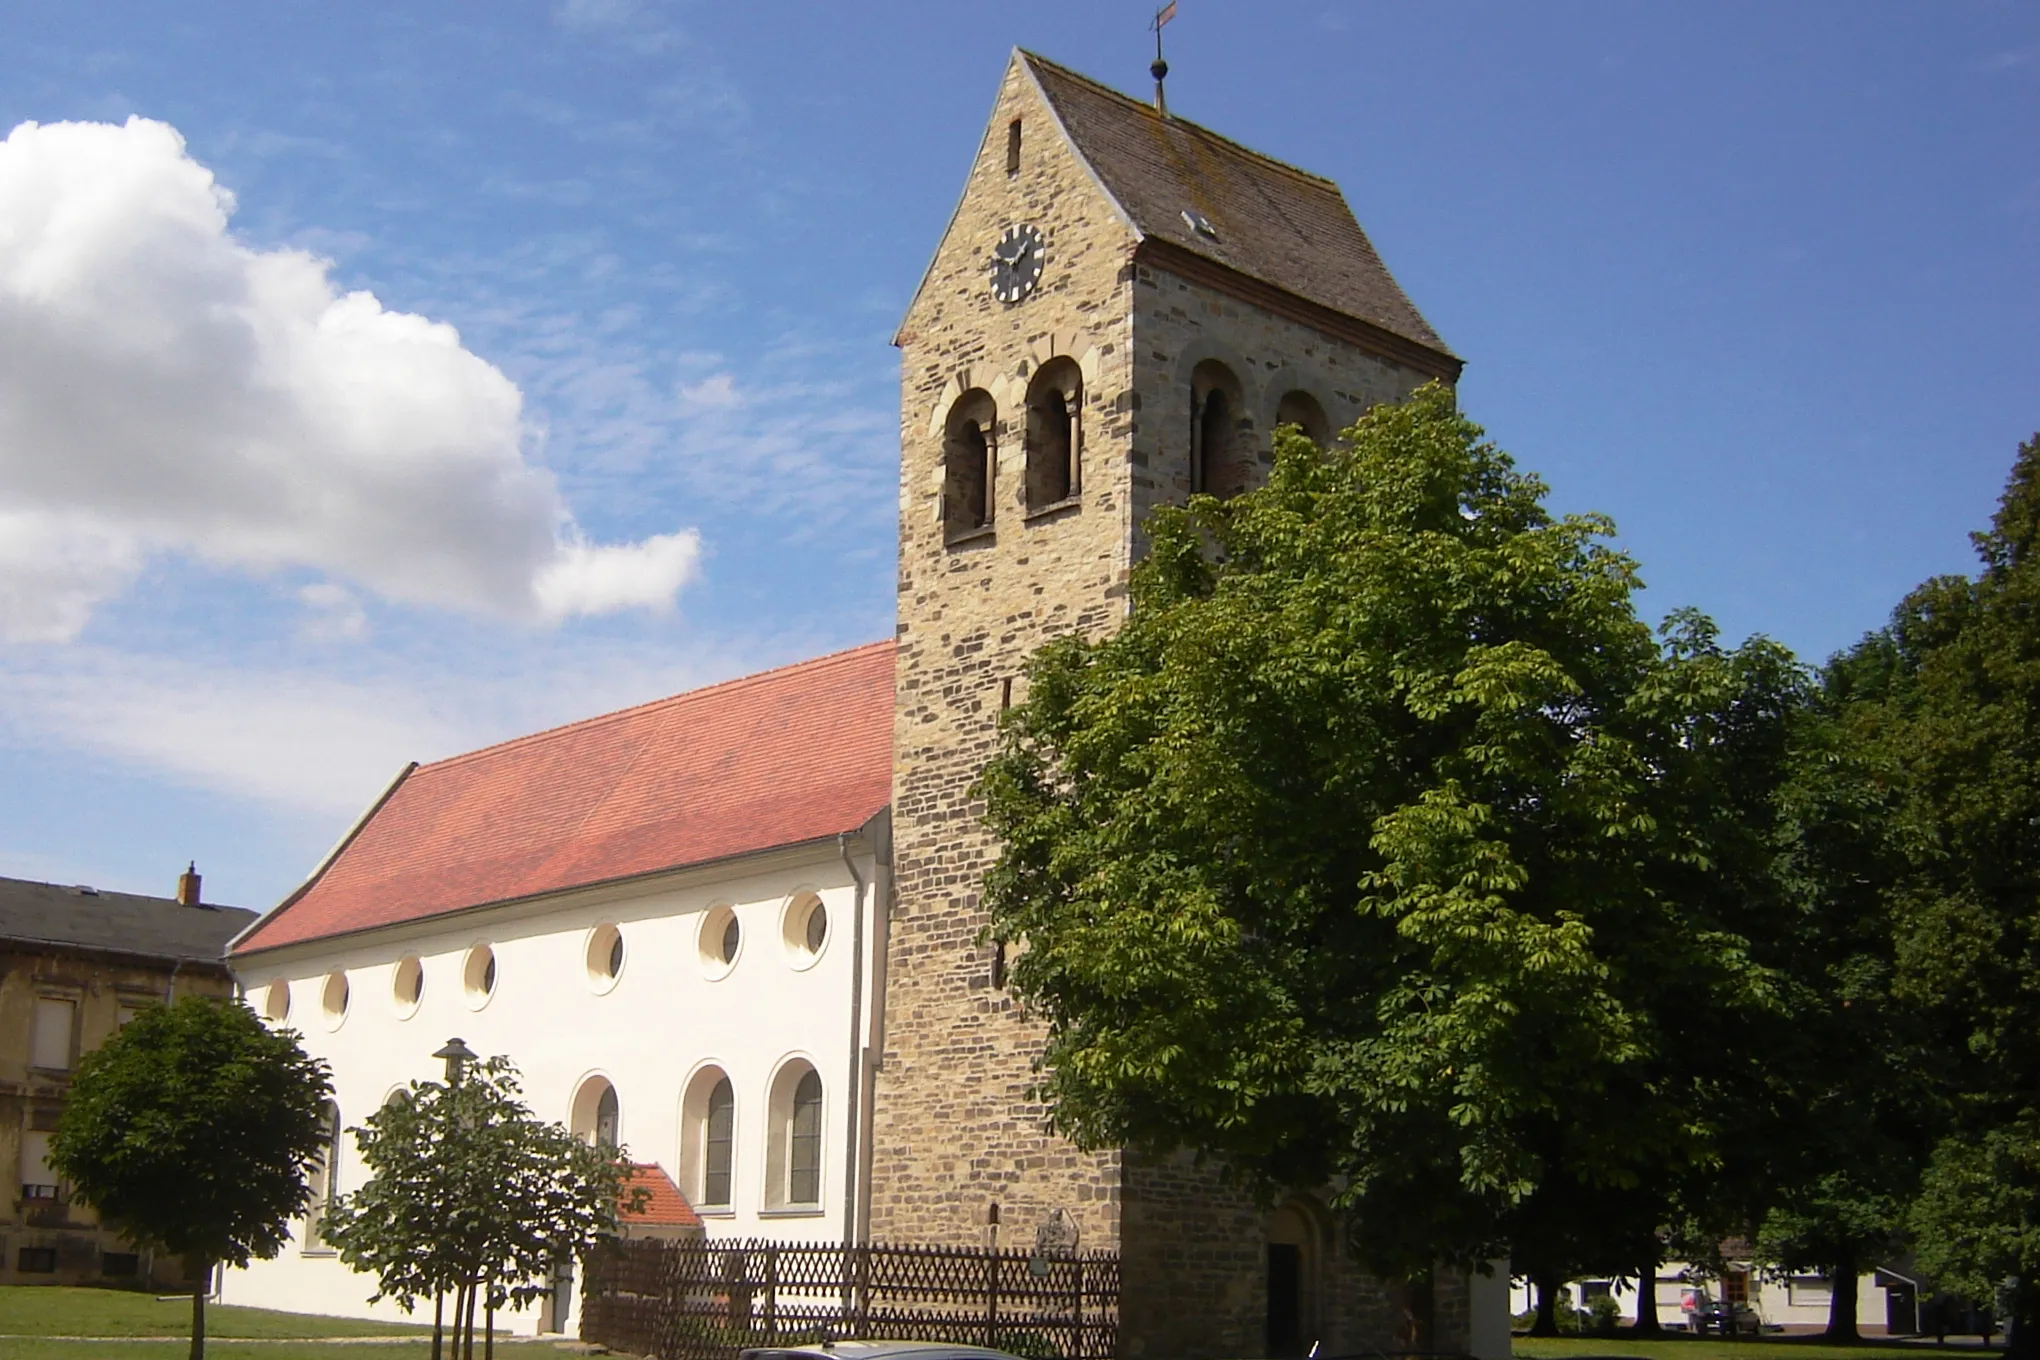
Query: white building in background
{"type": "Point", "coordinates": [1887, 1303]}
{"type": "Point", "coordinates": [663, 916]}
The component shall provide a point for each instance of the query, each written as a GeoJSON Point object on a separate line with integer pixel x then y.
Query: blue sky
{"type": "Point", "coordinates": [1760, 281]}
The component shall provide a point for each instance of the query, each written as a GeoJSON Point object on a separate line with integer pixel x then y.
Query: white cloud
{"type": "Point", "coordinates": [165, 388]}
{"type": "Point", "coordinates": [334, 614]}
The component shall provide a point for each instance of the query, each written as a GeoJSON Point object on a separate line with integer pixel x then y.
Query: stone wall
{"type": "Point", "coordinates": [954, 1131]}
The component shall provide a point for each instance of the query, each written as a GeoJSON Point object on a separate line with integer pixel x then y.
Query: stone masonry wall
{"type": "Point", "coordinates": [953, 1130]}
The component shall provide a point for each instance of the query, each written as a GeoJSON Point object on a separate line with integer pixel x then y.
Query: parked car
{"type": "Point", "coordinates": [875, 1350]}
{"type": "Point", "coordinates": [1724, 1318]}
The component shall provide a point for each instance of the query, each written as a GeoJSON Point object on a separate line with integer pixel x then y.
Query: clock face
{"type": "Point", "coordinates": [1016, 263]}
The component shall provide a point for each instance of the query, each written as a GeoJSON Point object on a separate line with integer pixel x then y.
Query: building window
{"type": "Point", "coordinates": [1218, 463]}
{"type": "Point", "coordinates": [969, 465]}
{"type": "Point", "coordinates": [38, 1180]}
{"type": "Point", "coordinates": [1055, 401]}
{"type": "Point", "coordinates": [333, 998]}
{"type": "Point", "coordinates": [407, 985]}
{"type": "Point", "coordinates": [794, 1169]}
{"type": "Point", "coordinates": [1301, 409]}
{"type": "Point", "coordinates": [36, 1260]}
{"type": "Point", "coordinates": [718, 1143]}
{"type": "Point", "coordinates": [1013, 147]}
{"type": "Point", "coordinates": [804, 1163]}
{"type": "Point", "coordinates": [605, 957]}
{"type": "Point", "coordinates": [805, 929]}
{"type": "Point", "coordinates": [597, 1116]}
{"type": "Point", "coordinates": [276, 1002]}
{"type": "Point", "coordinates": [478, 976]}
{"type": "Point", "coordinates": [55, 1019]}
{"type": "Point", "coordinates": [708, 1139]}
{"type": "Point", "coordinates": [720, 942]}
{"type": "Point", "coordinates": [325, 1181]}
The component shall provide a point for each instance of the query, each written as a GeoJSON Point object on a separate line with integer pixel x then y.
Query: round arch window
{"type": "Point", "coordinates": [333, 998]}
{"type": "Point", "coordinates": [478, 976]}
{"type": "Point", "coordinates": [605, 957]}
{"type": "Point", "coordinates": [720, 942]}
{"type": "Point", "coordinates": [805, 927]}
{"type": "Point", "coordinates": [407, 985]}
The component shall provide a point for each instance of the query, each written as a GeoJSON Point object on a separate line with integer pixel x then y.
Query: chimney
{"type": "Point", "coordinates": [187, 886]}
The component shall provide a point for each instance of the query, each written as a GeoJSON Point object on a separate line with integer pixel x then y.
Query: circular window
{"type": "Point", "coordinates": [333, 998]}
{"type": "Point", "coordinates": [276, 1001]}
{"type": "Point", "coordinates": [605, 957]}
{"type": "Point", "coordinates": [407, 986]}
{"type": "Point", "coordinates": [479, 976]}
{"type": "Point", "coordinates": [805, 927]}
{"type": "Point", "coordinates": [722, 939]}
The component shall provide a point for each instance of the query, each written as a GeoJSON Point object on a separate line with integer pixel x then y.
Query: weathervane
{"type": "Point", "coordinates": [1159, 68]}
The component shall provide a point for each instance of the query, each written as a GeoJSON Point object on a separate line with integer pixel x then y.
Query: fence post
{"type": "Point", "coordinates": [772, 1292]}
{"type": "Point", "coordinates": [860, 1318]}
{"type": "Point", "coordinates": [992, 1297]}
{"type": "Point", "coordinates": [1077, 1288]}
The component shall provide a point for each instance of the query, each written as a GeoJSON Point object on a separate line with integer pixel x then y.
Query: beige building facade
{"type": "Point", "coordinates": [1123, 308]}
{"type": "Point", "coordinates": [76, 964]}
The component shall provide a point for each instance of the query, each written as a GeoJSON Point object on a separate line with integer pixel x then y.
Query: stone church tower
{"type": "Point", "coordinates": [1122, 309]}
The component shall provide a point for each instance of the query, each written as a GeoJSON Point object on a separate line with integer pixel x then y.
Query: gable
{"type": "Point", "coordinates": [1054, 189]}
{"type": "Point", "coordinates": [781, 758]}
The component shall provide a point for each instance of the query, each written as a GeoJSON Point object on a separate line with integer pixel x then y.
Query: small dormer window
{"type": "Point", "coordinates": [1200, 224]}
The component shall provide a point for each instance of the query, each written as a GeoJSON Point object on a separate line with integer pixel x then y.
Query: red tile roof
{"type": "Point", "coordinates": [773, 759]}
{"type": "Point", "coordinates": [666, 1207]}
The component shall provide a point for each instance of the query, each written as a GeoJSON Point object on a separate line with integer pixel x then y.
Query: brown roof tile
{"type": "Point", "coordinates": [665, 1207]}
{"type": "Point", "coordinates": [1272, 221]}
{"type": "Point", "coordinates": [779, 758]}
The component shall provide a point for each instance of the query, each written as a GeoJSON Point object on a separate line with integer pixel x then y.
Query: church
{"type": "Point", "coordinates": [737, 931]}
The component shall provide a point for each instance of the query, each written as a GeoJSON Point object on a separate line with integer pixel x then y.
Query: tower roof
{"type": "Point", "coordinates": [1269, 220]}
{"type": "Point", "coordinates": [776, 759]}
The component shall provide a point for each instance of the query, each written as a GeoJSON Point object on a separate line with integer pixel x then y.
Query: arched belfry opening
{"type": "Point", "coordinates": [1055, 404]}
{"type": "Point", "coordinates": [1301, 409]}
{"type": "Point", "coordinates": [969, 464]}
{"type": "Point", "coordinates": [1295, 1240]}
{"type": "Point", "coordinates": [1221, 464]}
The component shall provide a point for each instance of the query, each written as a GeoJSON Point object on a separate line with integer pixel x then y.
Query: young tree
{"type": "Point", "coordinates": [1384, 848]}
{"type": "Point", "coordinates": [471, 1194]}
{"type": "Point", "coordinates": [191, 1130]}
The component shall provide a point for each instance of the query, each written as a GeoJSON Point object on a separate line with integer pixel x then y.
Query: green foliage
{"type": "Point", "coordinates": [1953, 685]}
{"type": "Point", "coordinates": [1385, 847]}
{"type": "Point", "coordinates": [468, 1190]}
{"type": "Point", "coordinates": [192, 1129]}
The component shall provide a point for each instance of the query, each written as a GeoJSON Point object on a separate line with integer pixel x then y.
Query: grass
{"type": "Point", "coordinates": [43, 1348]}
{"type": "Point", "coordinates": [57, 1310]}
{"type": "Point", "coordinates": [1717, 1348]}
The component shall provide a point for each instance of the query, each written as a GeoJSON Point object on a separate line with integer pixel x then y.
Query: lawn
{"type": "Point", "coordinates": [34, 1318]}
{"type": "Point", "coordinates": [1755, 1348]}
{"type": "Point", "coordinates": [43, 1348]}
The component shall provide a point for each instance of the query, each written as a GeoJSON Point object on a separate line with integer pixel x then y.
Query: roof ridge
{"type": "Point", "coordinates": [617, 715]}
{"type": "Point", "coordinates": [1273, 162]}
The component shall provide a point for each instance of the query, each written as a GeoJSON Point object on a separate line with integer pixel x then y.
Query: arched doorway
{"type": "Point", "coordinates": [1292, 1265]}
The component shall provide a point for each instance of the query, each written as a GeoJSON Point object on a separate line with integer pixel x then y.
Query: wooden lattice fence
{"type": "Point", "coordinates": [707, 1300]}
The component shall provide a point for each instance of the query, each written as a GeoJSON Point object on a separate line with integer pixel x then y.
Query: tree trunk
{"type": "Point", "coordinates": [1842, 1301]}
{"type": "Point", "coordinates": [1547, 1306]}
{"type": "Point", "coordinates": [474, 1289]}
{"type": "Point", "coordinates": [2023, 1340]}
{"type": "Point", "coordinates": [1647, 1323]}
{"type": "Point", "coordinates": [438, 1322]}
{"type": "Point", "coordinates": [198, 1290]}
{"type": "Point", "coordinates": [489, 1325]}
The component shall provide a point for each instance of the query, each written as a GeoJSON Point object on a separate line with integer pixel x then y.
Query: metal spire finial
{"type": "Point", "coordinates": [1159, 68]}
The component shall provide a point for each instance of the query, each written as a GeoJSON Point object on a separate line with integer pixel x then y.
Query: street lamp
{"type": "Point", "coordinates": [457, 1055]}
